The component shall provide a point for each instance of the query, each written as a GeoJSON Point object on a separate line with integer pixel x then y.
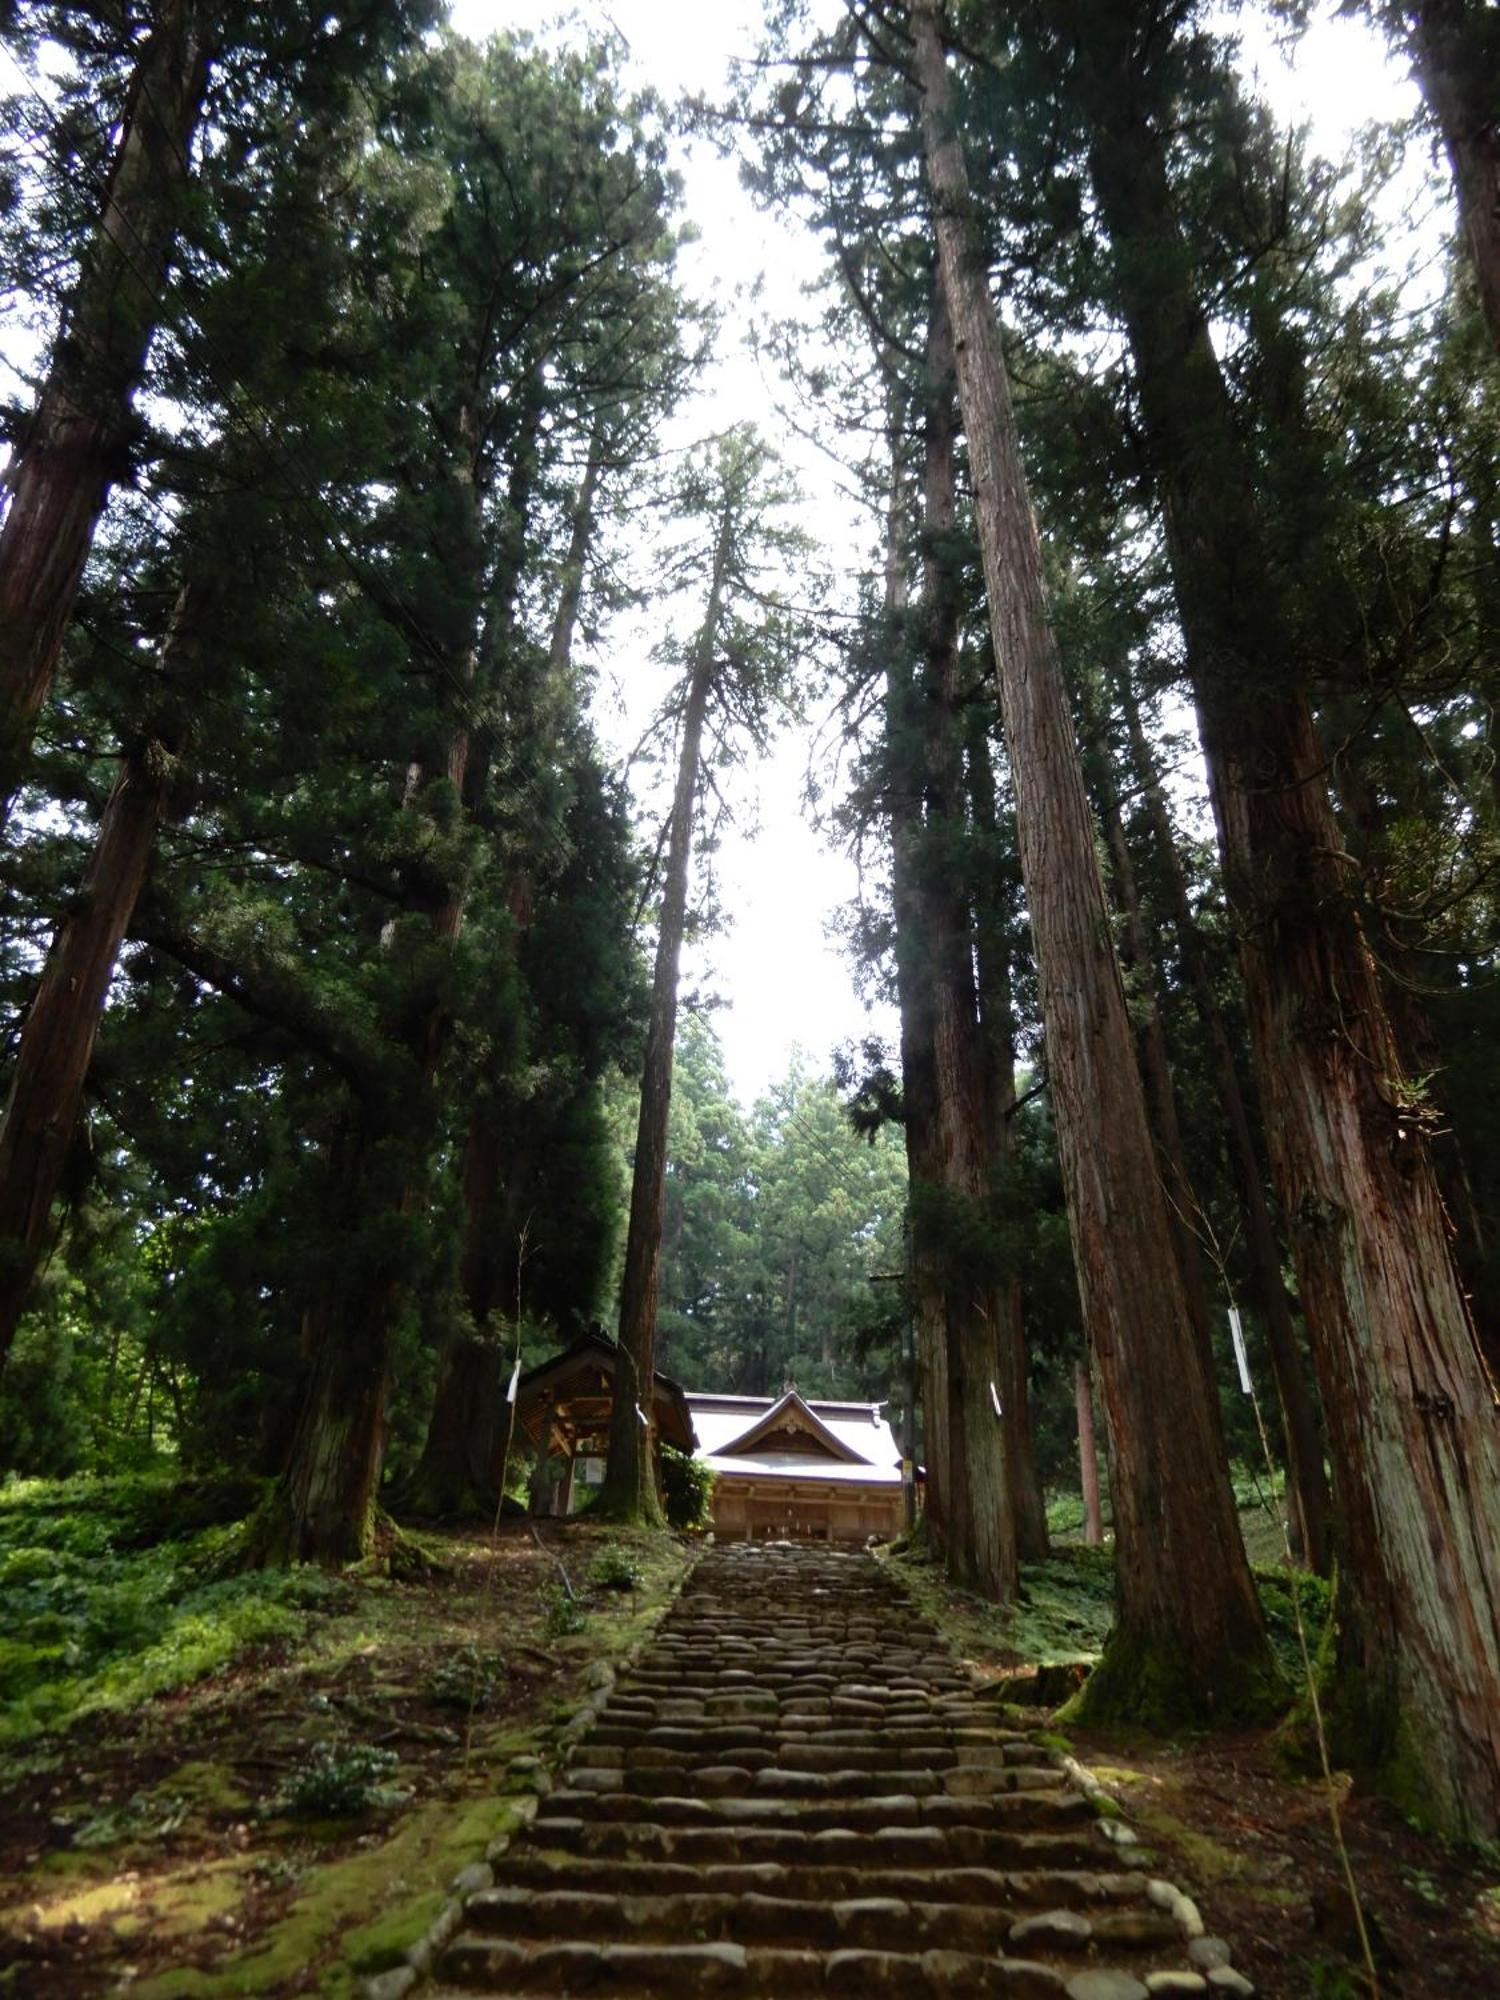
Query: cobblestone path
{"type": "Point", "coordinates": [796, 1792]}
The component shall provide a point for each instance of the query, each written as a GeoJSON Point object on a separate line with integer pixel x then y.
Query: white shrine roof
{"type": "Point", "coordinates": [855, 1442]}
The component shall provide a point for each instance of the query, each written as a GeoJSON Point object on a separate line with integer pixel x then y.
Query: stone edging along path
{"type": "Point", "coordinates": [792, 1790]}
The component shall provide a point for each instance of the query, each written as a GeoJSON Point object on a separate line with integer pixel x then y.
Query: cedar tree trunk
{"type": "Point", "coordinates": [998, 1028]}
{"type": "Point", "coordinates": [57, 1041]}
{"type": "Point", "coordinates": [1156, 1074]}
{"type": "Point", "coordinates": [1455, 51]}
{"type": "Point", "coordinates": [1413, 1427]}
{"type": "Point", "coordinates": [629, 1489]}
{"type": "Point", "coordinates": [1307, 1479]}
{"type": "Point", "coordinates": [918, 1055]}
{"type": "Point", "coordinates": [981, 1541]}
{"type": "Point", "coordinates": [1189, 1638]}
{"type": "Point", "coordinates": [76, 443]}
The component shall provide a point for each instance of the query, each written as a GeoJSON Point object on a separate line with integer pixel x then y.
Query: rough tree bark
{"type": "Point", "coordinates": [1189, 1637]}
{"type": "Point", "coordinates": [57, 1040]}
{"type": "Point", "coordinates": [1411, 1410]}
{"type": "Point", "coordinates": [629, 1489]}
{"type": "Point", "coordinates": [1455, 51]}
{"type": "Point", "coordinates": [998, 1028]}
{"type": "Point", "coordinates": [904, 782]}
{"type": "Point", "coordinates": [981, 1540]}
{"type": "Point", "coordinates": [1364, 814]}
{"type": "Point", "coordinates": [1307, 1479]}
{"type": "Point", "coordinates": [1156, 1063]}
{"type": "Point", "coordinates": [75, 444]}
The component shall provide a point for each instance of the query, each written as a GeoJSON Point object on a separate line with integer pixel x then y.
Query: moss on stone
{"type": "Point", "coordinates": [383, 1944]}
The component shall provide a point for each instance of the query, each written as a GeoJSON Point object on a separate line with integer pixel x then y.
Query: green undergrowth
{"type": "Point", "coordinates": [257, 1784]}
{"type": "Point", "coordinates": [1066, 1612]}
{"type": "Point", "coordinates": [113, 1593]}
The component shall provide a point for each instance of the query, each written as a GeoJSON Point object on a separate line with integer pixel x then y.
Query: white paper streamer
{"type": "Point", "coordinates": [995, 1399]}
{"type": "Point", "coordinates": [515, 1376]}
{"type": "Point", "coordinates": [1237, 1335]}
{"type": "Point", "coordinates": [643, 1417]}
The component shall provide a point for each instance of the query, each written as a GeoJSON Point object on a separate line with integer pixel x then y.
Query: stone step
{"type": "Point", "coordinates": [503, 1968]}
{"type": "Point", "coordinates": [796, 1793]}
{"type": "Point", "coordinates": [1017, 1747]}
{"type": "Point", "coordinates": [1033, 1808]}
{"type": "Point", "coordinates": [1021, 1890]}
{"type": "Point", "coordinates": [794, 1844]}
{"type": "Point", "coordinates": [798, 1753]}
{"type": "Point", "coordinates": [867, 1921]}
{"type": "Point", "coordinates": [736, 1777]}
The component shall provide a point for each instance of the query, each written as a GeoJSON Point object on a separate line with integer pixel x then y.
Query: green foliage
{"type": "Point", "coordinates": [96, 1621]}
{"type": "Point", "coordinates": [470, 1678]}
{"type": "Point", "coordinates": [615, 1568]}
{"type": "Point", "coordinates": [689, 1487]}
{"type": "Point", "coordinates": [775, 1222]}
{"type": "Point", "coordinates": [1066, 1607]}
{"type": "Point", "coordinates": [335, 1780]}
{"type": "Point", "coordinates": [565, 1615]}
{"type": "Point", "coordinates": [144, 1816]}
{"type": "Point", "coordinates": [1284, 1595]}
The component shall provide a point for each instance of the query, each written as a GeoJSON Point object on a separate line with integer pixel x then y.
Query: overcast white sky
{"type": "Point", "coordinates": [785, 982]}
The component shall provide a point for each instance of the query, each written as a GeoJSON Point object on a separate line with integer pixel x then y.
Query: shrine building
{"type": "Point", "coordinates": [800, 1467]}
{"type": "Point", "coordinates": [786, 1465]}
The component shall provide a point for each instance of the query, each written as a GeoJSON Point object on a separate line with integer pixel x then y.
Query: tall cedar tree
{"type": "Point", "coordinates": [1307, 1477]}
{"type": "Point", "coordinates": [1411, 1409]}
{"type": "Point", "coordinates": [736, 674]}
{"type": "Point", "coordinates": [555, 238]}
{"type": "Point", "coordinates": [980, 1531]}
{"type": "Point", "coordinates": [1189, 1634]}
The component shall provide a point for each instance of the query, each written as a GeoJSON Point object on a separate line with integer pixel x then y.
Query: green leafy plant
{"type": "Point", "coordinates": [146, 1816]}
{"type": "Point", "coordinates": [615, 1568]}
{"type": "Point", "coordinates": [564, 1615]}
{"type": "Point", "coordinates": [335, 1780]}
{"type": "Point", "coordinates": [1423, 1886]}
{"type": "Point", "coordinates": [689, 1486]}
{"type": "Point", "coordinates": [470, 1678]}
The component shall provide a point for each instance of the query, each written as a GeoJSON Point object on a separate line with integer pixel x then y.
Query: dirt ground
{"type": "Point", "coordinates": [1255, 1847]}
{"type": "Point", "coordinates": [151, 1849]}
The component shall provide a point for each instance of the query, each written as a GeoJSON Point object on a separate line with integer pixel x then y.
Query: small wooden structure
{"type": "Point", "coordinates": [806, 1469]}
{"type": "Point", "coordinates": [563, 1408]}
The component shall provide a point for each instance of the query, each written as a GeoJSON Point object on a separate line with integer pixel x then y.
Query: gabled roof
{"type": "Point", "coordinates": [789, 1412]}
{"type": "Point", "coordinates": [589, 1365]}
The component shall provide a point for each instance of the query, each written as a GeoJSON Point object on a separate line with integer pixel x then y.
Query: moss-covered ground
{"type": "Point", "coordinates": [214, 1784]}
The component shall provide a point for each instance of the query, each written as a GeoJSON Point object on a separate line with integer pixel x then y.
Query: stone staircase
{"type": "Point", "coordinates": [796, 1792]}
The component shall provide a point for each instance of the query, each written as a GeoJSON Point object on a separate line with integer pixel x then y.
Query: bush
{"type": "Point", "coordinates": [468, 1678]}
{"type": "Point", "coordinates": [616, 1569]}
{"type": "Point", "coordinates": [689, 1487]}
{"type": "Point", "coordinates": [335, 1780]}
{"type": "Point", "coordinates": [564, 1616]}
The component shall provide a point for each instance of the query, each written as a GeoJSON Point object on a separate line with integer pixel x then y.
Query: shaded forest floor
{"type": "Point", "coordinates": [265, 1785]}
{"type": "Point", "coordinates": [1236, 1820]}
